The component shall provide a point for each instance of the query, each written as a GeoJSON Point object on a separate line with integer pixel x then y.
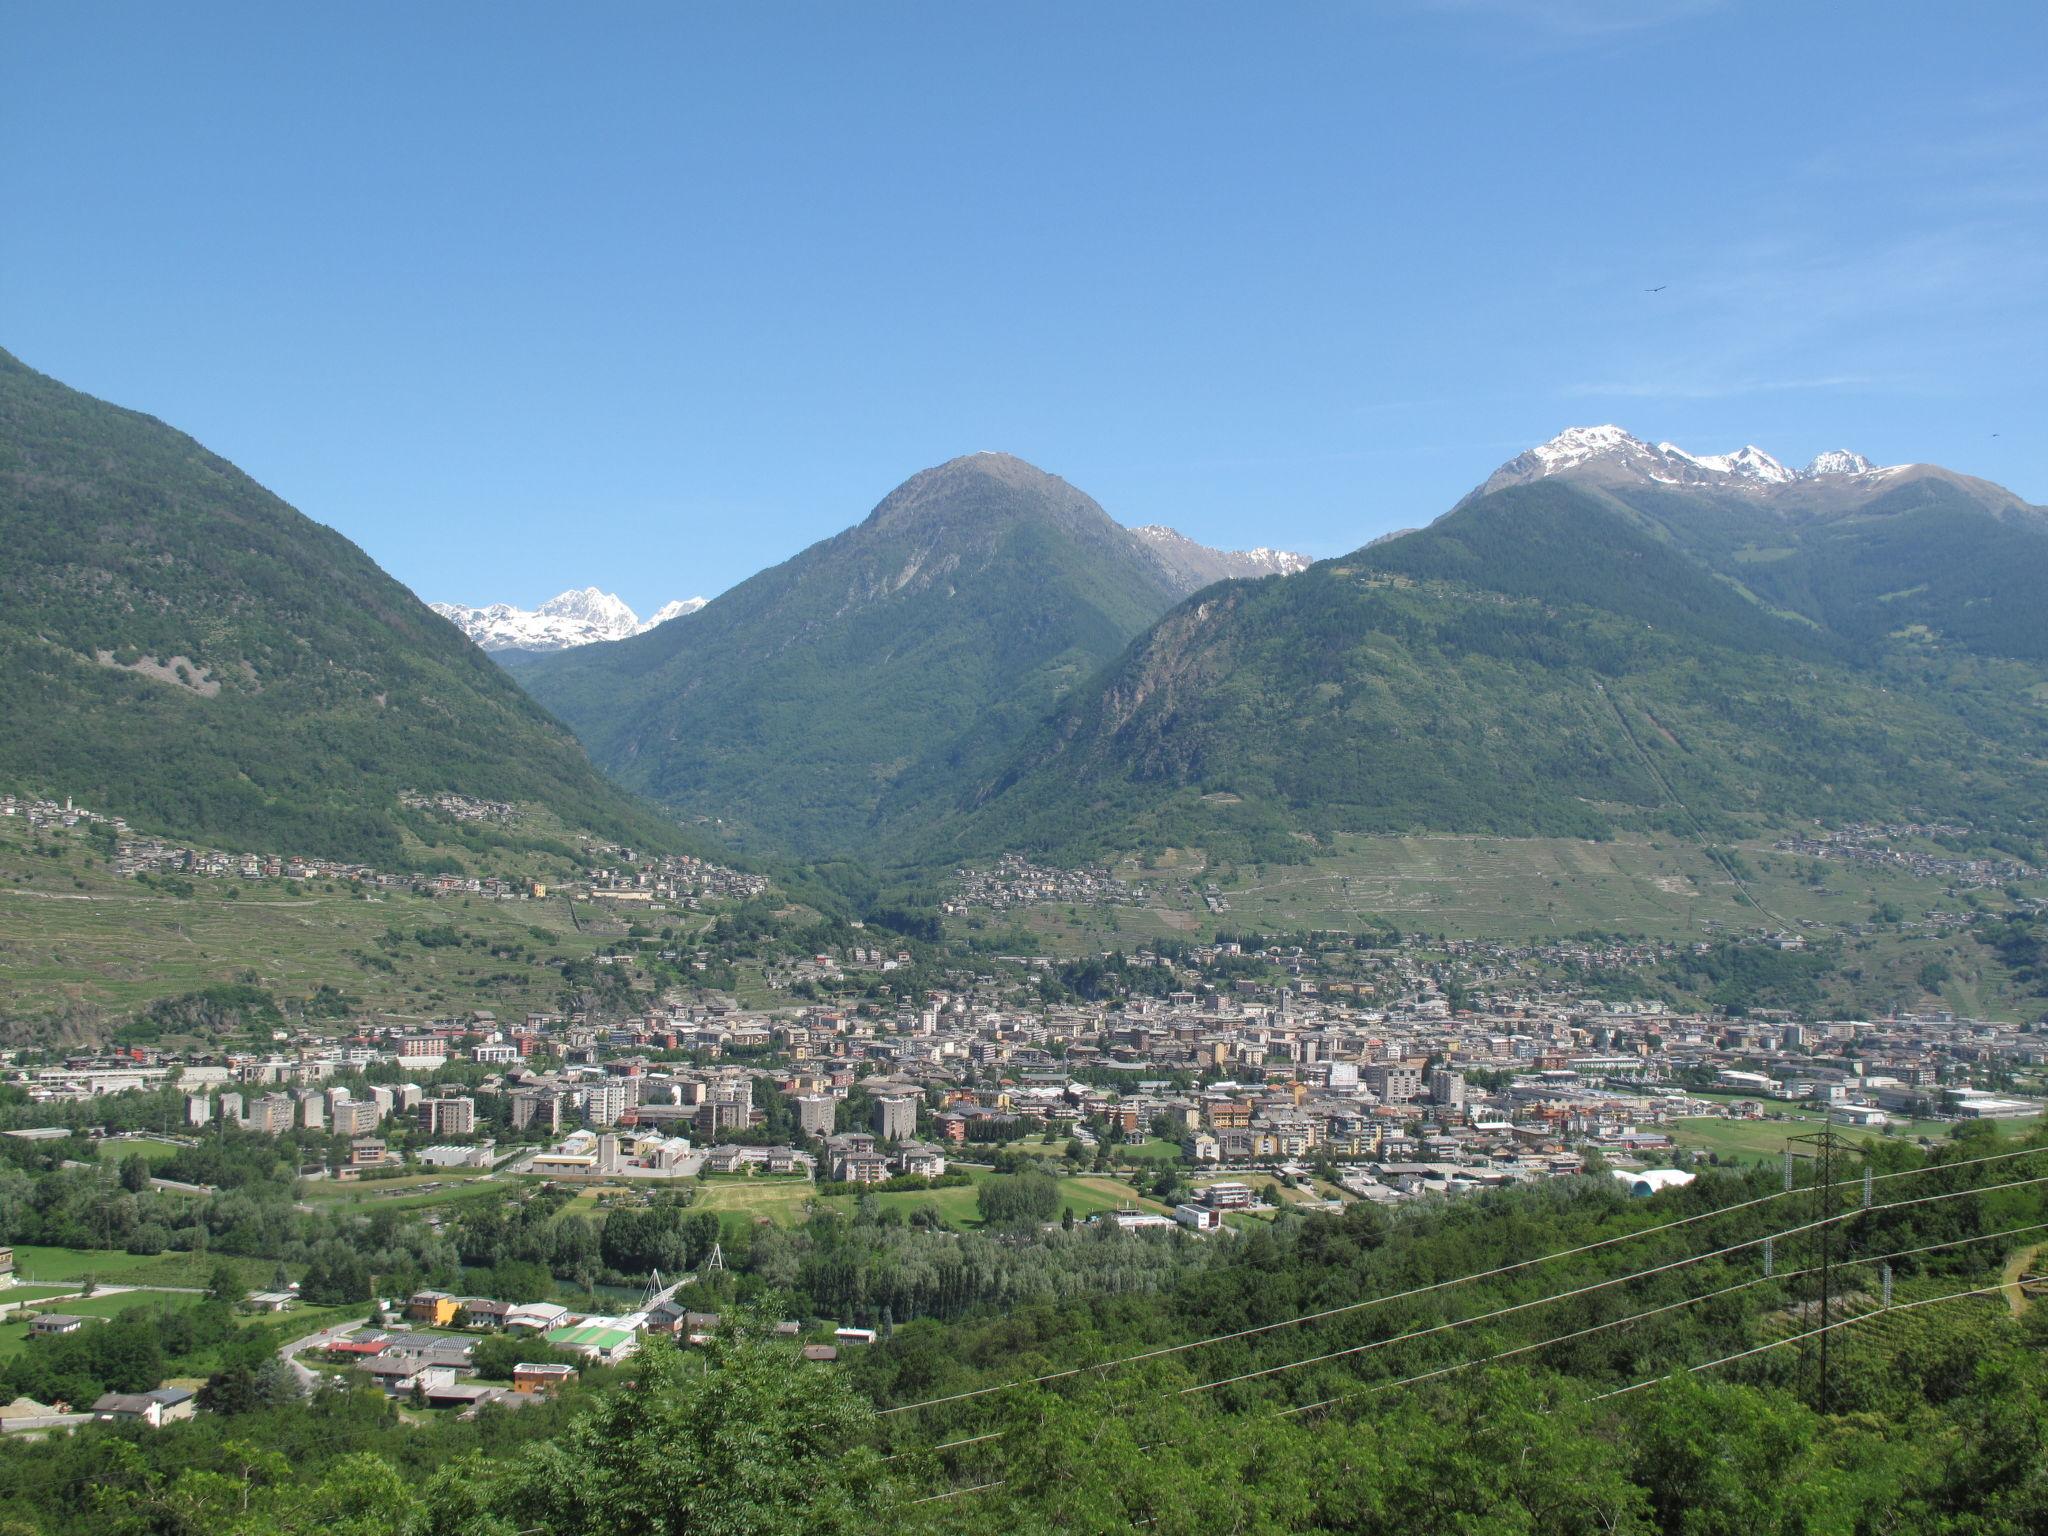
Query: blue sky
{"type": "Point", "coordinates": [651, 296]}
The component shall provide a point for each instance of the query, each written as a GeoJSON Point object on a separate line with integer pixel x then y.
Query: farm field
{"type": "Point", "coordinates": [78, 935]}
{"type": "Point", "coordinates": [39, 1265]}
{"type": "Point", "coordinates": [1472, 886]}
{"type": "Point", "coordinates": [444, 1186]}
{"type": "Point", "coordinates": [741, 1201]}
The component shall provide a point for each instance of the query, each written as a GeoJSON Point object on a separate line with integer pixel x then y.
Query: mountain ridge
{"type": "Point", "coordinates": [578, 616]}
{"type": "Point", "coordinates": [932, 631]}
{"type": "Point", "coordinates": [181, 646]}
{"type": "Point", "coordinates": [1551, 654]}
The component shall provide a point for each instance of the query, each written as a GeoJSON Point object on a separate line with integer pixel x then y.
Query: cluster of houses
{"type": "Point", "coordinates": [1876, 845]}
{"type": "Point", "coordinates": [136, 854]}
{"type": "Point", "coordinates": [679, 880]}
{"type": "Point", "coordinates": [1015, 881]}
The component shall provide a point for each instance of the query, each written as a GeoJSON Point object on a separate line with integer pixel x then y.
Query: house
{"type": "Point", "coordinates": [1203, 1218]}
{"type": "Point", "coordinates": [52, 1324]}
{"type": "Point", "coordinates": [822, 1354]}
{"type": "Point", "coordinates": [483, 1312]}
{"type": "Point", "coordinates": [854, 1335]}
{"type": "Point", "coordinates": [537, 1315]}
{"type": "Point", "coordinates": [163, 1406]}
{"type": "Point", "coordinates": [437, 1309]}
{"type": "Point", "coordinates": [541, 1378]}
{"type": "Point", "coordinates": [666, 1318]}
{"type": "Point", "coordinates": [6, 1266]}
{"type": "Point", "coordinates": [273, 1301]}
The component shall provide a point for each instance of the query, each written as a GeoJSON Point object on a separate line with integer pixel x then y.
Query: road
{"type": "Point", "coordinates": [289, 1354]}
{"type": "Point", "coordinates": [2021, 1263]}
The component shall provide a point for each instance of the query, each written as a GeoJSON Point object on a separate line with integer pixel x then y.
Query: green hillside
{"type": "Point", "coordinates": [913, 649]}
{"type": "Point", "coordinates": [180, 647]}
{"type": "Point", "coordinates": [1544, 661]}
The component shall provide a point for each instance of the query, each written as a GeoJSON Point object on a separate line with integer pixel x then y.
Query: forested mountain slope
{"type": "Point", "coordinates": [928, 637]}
{"type": "Point", "coordinates": [1564, 655]}
{"type": "Point", "coordinates": [179, 646]}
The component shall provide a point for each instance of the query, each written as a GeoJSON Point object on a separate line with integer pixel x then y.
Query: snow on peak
{"type": "Point", "coordinates": [580, 616]}
{"type": "Point", "coordinates": [1575, 445]}
{"type": "Point", "coordinates": [1748, 463]}
{"type": "Point", "coordinates": [1262, 561]}
{"type": "Point", "coordinates": [1838, 461]}
{"type": "Point", "coordinates": [674, 610]}
{"type": "Point", "coordinates": [1610, 449]}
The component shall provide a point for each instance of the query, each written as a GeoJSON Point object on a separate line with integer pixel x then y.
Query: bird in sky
{"type": "Point", "coordinates": [1658, 289]}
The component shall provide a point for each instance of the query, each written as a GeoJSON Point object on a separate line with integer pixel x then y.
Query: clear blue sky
{"type": "Point", "coordinates": [651, 296]}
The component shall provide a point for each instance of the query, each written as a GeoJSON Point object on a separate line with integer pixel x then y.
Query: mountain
{"type": "Point", "coordinates": [1604, 634]}
{"type": "Point", "coordinates": [1196, 565]}
{"type": "Point", "coordinates": [891, 659]}
{"type": "Point", "coordinates": [568, 619]}
{"type": "Point", "coordinates": [179, 646]}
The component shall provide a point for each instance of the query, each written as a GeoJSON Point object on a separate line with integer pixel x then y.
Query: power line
{"type": "Point", "coordinates": [1799, 1338]}
{"type": "Point", "coordinates": [1636, 1317]}
{"type": "Point", "coordinates": [1580, 1333]}
{"type": "Point", "coordinates": [1163, 1351]}
{"type": "Point", "coordinates": [1824, 1268]}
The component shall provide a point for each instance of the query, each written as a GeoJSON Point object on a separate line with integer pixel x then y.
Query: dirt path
{"type": "Point", "coordinates": [2019, 1264]}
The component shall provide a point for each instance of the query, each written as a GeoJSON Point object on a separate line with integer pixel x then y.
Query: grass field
{"type": "Point", "coordinates": [411, 1192]}
{"type": "Point", "coordinates": [742, 1201]}
{"type": "Point", "coordinates": [119, 1150]}
{"type": "Point", "coordinates": [44, 1266]}
{"type": "Point", "coordinates": [14, 1333]}
{"type": "Point", "coordinates": [1751, 1141]}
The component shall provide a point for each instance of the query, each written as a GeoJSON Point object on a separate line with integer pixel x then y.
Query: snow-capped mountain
{"type": "Point", "coordinates": [1199, 565]}
{"type": "Point", "coordinates": [572, 618]}
{"type": "Point", "coordinates": [1609, 451]}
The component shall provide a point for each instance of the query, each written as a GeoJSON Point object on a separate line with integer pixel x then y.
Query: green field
{"type": "Point", "coordinates": [410, 1192]}
{"type": "Point", "coordinates": [959, 1206]}
{"type": "Point", "coordinates": [742, 1201]}
{"type": "Point", "coordinates": [1750, 1141]}
{"type": "Point", "coordinates": [39, 1265]}
{"type": "Point", "coordinates": [119, 1150]}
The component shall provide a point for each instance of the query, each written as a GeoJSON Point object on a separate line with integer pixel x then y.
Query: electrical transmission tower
{"type": "Point", "coordinates": [1826, 1153]}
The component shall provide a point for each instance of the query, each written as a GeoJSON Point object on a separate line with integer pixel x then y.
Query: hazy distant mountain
{"type": "Point", "coordinates": [576, 617]}
{"type": "Point", "coordinates": [925, 639]}
{"type": "Point", "coordinates": [1197, 565]}
{"type": "Point", "coordinates": [1605, 634]}
{"type": "Point", "coordinates": [179, 646]}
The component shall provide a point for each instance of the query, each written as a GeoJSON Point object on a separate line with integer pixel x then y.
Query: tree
{"type": "Point", "coordinates": [225, 1284]}
{"type": "Point", "coordinates": [135, 1173]}
{"type": "Point", "coordinates": [752, 1443]}
{"type": "Point", "coordinates": [336, 1276]}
